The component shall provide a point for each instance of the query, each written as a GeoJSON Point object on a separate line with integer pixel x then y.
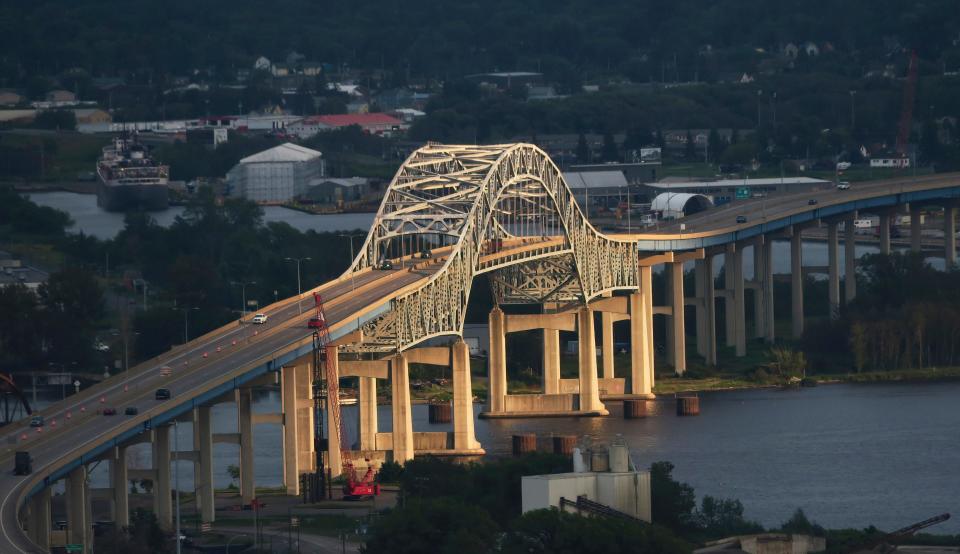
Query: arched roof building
{"type": "Point", "coordinates": [679, 204]}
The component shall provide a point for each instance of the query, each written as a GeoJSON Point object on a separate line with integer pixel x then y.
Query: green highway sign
{"type": "Point", "coordinates": [743, 193]}
{"type": "Point", "coordinates": [74, 548]}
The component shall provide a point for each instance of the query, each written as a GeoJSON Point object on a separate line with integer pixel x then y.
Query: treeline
{"type": "Point", "coordinates": [906, 315]}
{"type": "Point", "coordinates": [656, 40]}
{"type": "Point", "coordinates": [204, 264]}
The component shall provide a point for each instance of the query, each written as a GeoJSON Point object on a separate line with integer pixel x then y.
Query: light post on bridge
{"type": "Point", "coordinates": [299, 291]}
{"type": "Point", "coordinates": [186, 329]}
{"type": "Point", "coordinates": [352, 284]}
{"type": "Point", "coordinates": [243, 293]}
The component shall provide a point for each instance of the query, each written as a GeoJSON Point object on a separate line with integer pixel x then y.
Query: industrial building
{"type": "Point", "coordinates": [276, 175]}
{"type": "Point", "coordinates": [597, 189]}
{"type": "Point", "coordinates": [332, 190]}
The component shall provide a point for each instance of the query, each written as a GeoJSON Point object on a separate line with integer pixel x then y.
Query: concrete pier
{"type": "Point", "coordinates": [796, 282]}
{"type": "Point", "coordinates": [402, 412]}
{"type": "Point", "coordinates": [833, 270]}
{"type": "Point", "coordinates": [640, 371]}
{"type": "Point", "coordinates": [40, 518]}
{"type": "Point", "coordinates": [849, 260]}
{"type": "Point", "coordinates": [79, 522]}
{"type": "Point", "coordinates": [551, 361]}
{"type": "Point", "coordinates": [244, 398]}
{"type": "Point", "coordinates": [120, 483]}
{"type": "Point", "coordinates": [677, 323]}
{"type": "Point", "coordinates": [162, 503]}
{"type": "Point", "coordinates": [885, 233]}
{"type": "Point", "coordinates": [464, 437]}
{"type": "Point", "coordinates": [769, 319]}
{"type": "Point", "coordinates": [203, 427]}
{"type": "Point", "coordinates": [589, 388]}
{"type": "Point", "coordinates": [368, 413]}
{"type": "Point", "coordinates": [950, 235]}
{"type": "Point", "coordinates": [497, 360]}
{"type": "Point", "coordinates": [916, 232]}
{"type": "Point", "coordinates": [739, 307]}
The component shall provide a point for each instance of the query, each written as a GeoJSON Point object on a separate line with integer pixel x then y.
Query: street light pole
{"type": "Point", "coordinates": [243, 294]}
{"type": "Point", "coordinates": [186, 329]}
{"type": "Point", "coordinates": [299, 290]}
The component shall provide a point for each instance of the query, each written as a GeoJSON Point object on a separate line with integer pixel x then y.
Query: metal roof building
{"type": "Point", "coordinates": [276, 175]}
{"type": "Point", "coordinates": [678, 204]}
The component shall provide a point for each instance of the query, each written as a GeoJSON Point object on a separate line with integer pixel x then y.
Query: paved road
{"type": "Point", "coordinates": [758, 210]}
{"type": "Point", "coordinates": [227, 353]}
{"type": "Point", "coordinates": [74, 426]}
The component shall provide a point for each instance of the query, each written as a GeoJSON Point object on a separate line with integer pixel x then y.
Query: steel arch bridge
{"type": "Point", "coordinates": [500, 209]}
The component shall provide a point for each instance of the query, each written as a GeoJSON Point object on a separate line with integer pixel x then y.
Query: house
{"type": "Point", "coordinates": [281, 70]}
{"type": "Point", "coordinates": [17, 116]}
{"type": "Point", "coordinates": [407, 115]}
{"type": "Point", "coordinates": [311, 69]}
{"type": "Point", "coordinates": [275, 175]}
{"type": "Point", "coordinates": [791, 51]}
{"type": "Point", "coordinates": [92, 115]}
{"type": "Point", "coordinates": [894, 161]}
{"type": "Point", "coordinates": [811, 49]}
{"type": "Point", "coordinates": [13, 271]}
{"type": "Point", "coordinates": [307, 127]}
{"type": "Point", "coordinates": [262, 64]}
{"type": "Point", "coordinates": [372, 123]}
{"type": "Point", "coordinates": [61, 97]}
{"type": "Point", "coordinates": [337, 191]}
{"type": "Point", "coordinates": [9, 98]}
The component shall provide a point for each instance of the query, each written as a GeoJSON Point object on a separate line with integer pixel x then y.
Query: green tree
{"type": "Point", "coordinates": [552, 531]}
{"type": "Point", "coordinates": [583, 149]}
{"type": "Point", "coordinates": [673, 502]}
{"type": "Point", "coordinates": [60, 120]}
{"type": "Point", "coordinates": [610, 151]}
{"type": "Point", "coordinates": [442, 525]}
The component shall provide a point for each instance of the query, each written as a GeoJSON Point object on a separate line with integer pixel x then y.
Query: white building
{"type": "Point", "coordinates": [606, 479]}
{"type": "Point", "coordinates": [276, 175]}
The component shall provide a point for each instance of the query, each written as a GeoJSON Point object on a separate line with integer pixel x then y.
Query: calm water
{"type": "Point", "coordinates": [91, 220]}
{"type": "Point", "coordinates": [849, 455]}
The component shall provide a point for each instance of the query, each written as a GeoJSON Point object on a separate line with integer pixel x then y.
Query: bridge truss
{"type": "Point", "coordinates": [501, 209]}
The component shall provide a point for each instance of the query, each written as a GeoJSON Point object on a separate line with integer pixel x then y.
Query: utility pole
{"type": "Point", "coordinates": [243, 294]}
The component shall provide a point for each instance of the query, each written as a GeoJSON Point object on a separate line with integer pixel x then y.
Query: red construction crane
{"type": "Point", "coordinates": [906, 114]}
{"type": "Point", "coordinates": [327, 404]}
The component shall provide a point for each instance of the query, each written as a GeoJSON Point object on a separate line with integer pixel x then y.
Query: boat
{"type": "Point", "coordinates": [129, 178]}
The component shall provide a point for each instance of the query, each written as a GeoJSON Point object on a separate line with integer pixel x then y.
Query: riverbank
{"type": "Point", "coordinates": [673, 385]}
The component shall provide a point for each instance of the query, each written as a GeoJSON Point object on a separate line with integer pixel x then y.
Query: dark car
{"type": "Point", "coordinates": [131, 410]}
{"type": "Point", "coordinates": [163, 394]}
{"type": "Point", "coordinates": [23, 463]}
{"type": "Point", "coordinates": [812, 202]}
{"type": "Point", "coordinates": [741, 219]}
{"type": "Point", "coordinates": [109, 411]}
{"type": "Point", "coordinates": [425, 254]}
{"type": "Point", "coordinates": [385, 264]}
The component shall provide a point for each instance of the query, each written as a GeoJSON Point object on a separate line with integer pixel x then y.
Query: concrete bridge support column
{"type": "Point", "coordinates": [497, 360]}
{"type": "Point", "coordinates": [204, 487]}
{"type": "Point", "coordinates": [759, 276]}
{"type": "Point", "coordinates": [121, 487]}
{"type": "Point", "coordinates": [296, 383]}
{"type": "Point", "coordinates": [551, 361]}
{"type": "Point", "coordinates": [677, 329]}
{"type": "Point", "coordinates": [646, 291]}
{"type": "Point", "coordinates": [769, 318]}
{"type": "Point", "coordinates": [849, 261]}
{"type": "Point", "coordinates": [245, 426]}
{"type": "Point", "coordinates": [162, 503]}
{"type": "Point", "coordinates": [402, 412]}
{"type": "Point", "coordinates": [833, 270]}
{"type": "Point", "coordinates": [368, 413]}
{"type": "Point", "coordinates": [729, 278]}
{"type": "Point", "coordinates": [640, 371]}
{"type": "Point", "coordinates": [739, 306]}
{"type": "Point", "coordinates": [40, 518]}
{"type": "Point", "coordinates": [950, 235]}
{"type": "Point", "coordinates": [334, 461]}
{"type": "Point", "coordinates": [700, 294]}
{"type": "Point", "coordinates": [464, 437]}
{"type": "Point", "coordinates": [710, 311]}
{"type": "Point", "coordinates": [589, 387]}
{"type": "Point", "coordinates": [79, 522]}
{"type": "Point", "coordinates": [606, 329]}
{"type": "Point", "coordinates": [796, 282]}
{"type": "Point", "coordinates": [885, 233]}
{"type": "Point", "coordinates": [916, 233]}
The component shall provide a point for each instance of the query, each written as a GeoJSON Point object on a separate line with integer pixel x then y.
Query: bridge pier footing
{"type": "Point", "coordinates": [368, 413]}
{"type": "Point", "coordinates": [40, 517]}
{"type": "Point", "coordinates": [121, 505]}
{"type": "Point", "coordinates": [163, 506]}
{"type": "Point", "coordinates": [244, 399]}
{"type": "Point", "coordinates": [79, 522]}
{"type": "Point", "coordinates": [203, 428]}
{"type": "Point", "coordinates": [796, 282]}
{"type": "Point", "coordinates": [950, 235]}
{"type": "Point", "coordinates": [589, 387]}
{"type": "Point", "coordinates": [464, 437]}
{"type": "Point", "coordinates": [403, 449]}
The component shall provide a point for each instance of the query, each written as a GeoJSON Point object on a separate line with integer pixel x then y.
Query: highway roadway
{"type": "Point", "coordinates": [779, 207]}
{"type": "Point", "coordinates": [74, 427]}
{"type": "Point", "coordinates": [212, 364]}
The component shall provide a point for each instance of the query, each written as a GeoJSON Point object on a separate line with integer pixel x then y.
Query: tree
{"type": "Point", "coordinates": [551, 530]}
{"type": "Point", "coordinates": [583, 150]}
{"type": "Point", "coordinates": [610, 153]}
{"type": "Point", "coordinates": [443, 525]}
{"type": "Point", "coordinates": [234, 473]}
{"type": "Point", "coordinates": [689, 150]}
{"type": "Point", "coordinates": [721, 517]}
{"type": "Point", "coordinates": [673, 502]}
{"type": "Point", "coordinates": [858, 343]}
{"type": "Point", "coordinates": [60, 120]}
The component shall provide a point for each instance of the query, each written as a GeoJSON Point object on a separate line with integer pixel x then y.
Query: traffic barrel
{"type": "Point", "coordinates": [234, 342]}
{"type": "Point", "coordinates": [83, 408]}
{"type": "Point", "coordinates": [204, 354]}
{"type": "Point", "coordinates": [69, 415]}
{"type": "Point", "coordinates": [219, 349]}
{"type": "Point", "coordinates": [53, 423]}
{"type": "Point", "coordinates": [23, 437]}
{"type": "Point", "coordinates": [102, 399]}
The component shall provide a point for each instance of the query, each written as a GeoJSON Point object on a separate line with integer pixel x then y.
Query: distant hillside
{"type": "Point", "coordinates": [567, 39]}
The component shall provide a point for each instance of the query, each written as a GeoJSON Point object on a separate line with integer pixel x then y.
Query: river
{"type": "Point", "coordinates": [848, 455]}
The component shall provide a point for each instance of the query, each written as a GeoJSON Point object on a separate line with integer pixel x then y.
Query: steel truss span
{"type": "Point", "coordinates": [468, 204]}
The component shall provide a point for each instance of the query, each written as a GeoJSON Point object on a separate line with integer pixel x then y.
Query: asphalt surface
{"type": "Point", "coordinates": [758, 210]}
{"type": "Point", "coordinates": [74, 426]}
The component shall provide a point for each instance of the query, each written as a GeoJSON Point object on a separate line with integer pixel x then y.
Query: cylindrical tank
{"type": "Point", "coordinates": [439, 413]}
{"type": "Point", "coordinates": [634, 409]}
{"type": "Point", "coordinates": [563, 444]}
{"type": "Point", "coordinates": [688, 405]}
{"type": "Point", "coordinates": [599, 460]}
{"type": "Point", "coordinates": [579, 466]}
{"type": "Point", "coordinates": [619, 456]}
{"type": "Point", "coordinates": [523, 444]}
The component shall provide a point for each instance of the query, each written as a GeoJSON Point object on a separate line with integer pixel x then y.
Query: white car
{"type": "Point", "coordinates": [843, 185]}
{"type": "Point", "coordinates": [259, 319]}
